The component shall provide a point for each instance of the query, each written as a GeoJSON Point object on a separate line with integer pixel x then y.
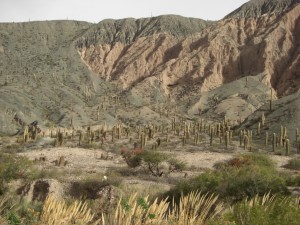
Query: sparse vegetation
{"type": "Point", "coordinates": [293, 164]}
{"type": "Point", "coordinates": [13, 167]}
{"type": "Point", "coordinates": [97, 139]}
{"type": "Point", "coordinates": [243, 176]}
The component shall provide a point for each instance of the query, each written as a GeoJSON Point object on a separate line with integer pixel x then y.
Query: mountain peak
{"type": "Point", "coordinates": [257, 8]}
{"type": "Point", "coordinates": [128, 30]}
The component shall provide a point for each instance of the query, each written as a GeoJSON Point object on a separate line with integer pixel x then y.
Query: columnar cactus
{"type": "Point", "coordinates": [226, 139]}
{"type": "Point", "coordinates": [258, 128]}
{"type": "Point", "coordinates": [246, 142]}
{"type": "Point", "coordinates": [241, 137]}
{"type": "Point", "coordinates": [61, 161]}
{"type": "Point", "coordinates": [287, 147]}
{"type": "Point", "coordinates": [211, 135]}
{"type": "Point", "coordinates": [60, 138]}
{"type": "Point", "coordinates": [281, 136]}
{"type": "Point", "coordinates": [274, 142]}
{"type": "Point", "coordinates": [197, 138]}
{"type": "Point", "coordinates": [25, 134]}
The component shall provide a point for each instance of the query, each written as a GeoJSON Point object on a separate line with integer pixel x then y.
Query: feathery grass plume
{"type": "Point", "coordinates": [3, 202]}
{"type": "Point", "coordinates": [266, 200]}
{"type": "Point", "coordinates": [137, 211]}
{"type": "Point", "coordinates": [268, 209]}
{"type": "Point", "coordinates": [58, 212]}
{"type": "Point", "coordinates": [195, 208]}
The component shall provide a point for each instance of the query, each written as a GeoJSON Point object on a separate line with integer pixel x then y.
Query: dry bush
{"type": "Point", "coordinates": [194, 208]}
{"type": "Point", "coordinates": [58, 212]}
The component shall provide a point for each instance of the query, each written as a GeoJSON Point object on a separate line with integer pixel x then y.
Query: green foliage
{"type": "Point", "coordinates": [153, 157]}
{"type": "Point", "coordinates": [176, 165]}
{"type": "Point", "coordinates": [132, 160]}
{"type": "Point", "coordinates": [243, 176]}
{"type": "Point", "coordinates": [13, 218]}
{"type": "Point", "coordinates": [152, 162]}
{"type": "Point", "coordinates": [263, 211]}
{"type": "Point", "coordinates": [293, 164]}
{"type": "Point", "coordinates": [12, 167]}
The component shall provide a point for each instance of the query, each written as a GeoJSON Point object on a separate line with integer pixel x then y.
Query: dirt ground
{"type": "Point", "coordinates": [92, 161]}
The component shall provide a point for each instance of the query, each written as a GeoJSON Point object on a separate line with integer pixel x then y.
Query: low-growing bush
{"type": "Point", "coordinates": [293, 164]}
{"type": "Point", "coordinates": [266, 210]}
{"type": "Point", "coordinates": [243, 176]}
{"type": "Point", "coordinates": [13, 167]}
{"type": "Point", "coordinates": [152, 161]}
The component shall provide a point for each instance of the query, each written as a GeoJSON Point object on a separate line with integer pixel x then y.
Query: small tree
{"type": "Point", "coordinates": [152, 161]}
{"type": "Point", "coordinates": [132, 157]}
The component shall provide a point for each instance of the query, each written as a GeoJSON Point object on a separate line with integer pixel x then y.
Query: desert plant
{"type": "Point", "coordinates": [193, 208]}
{"type": "Point", "coordinates": [293, 164]}
{"type": "Point", "coordinates": [244, 176]}
{"type": "Point", "coordinates": [132, 158]}
{"type": "Point", "coordinates": [58, 212]}
{"type": "Point", "coordinates": [151, 161]}
{"type": "Point", "coordinates": [12, 167]}
{"type": "Point", "coordinates": [267, 210]}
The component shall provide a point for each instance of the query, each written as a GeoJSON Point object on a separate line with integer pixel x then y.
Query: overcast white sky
{"type": "Point", "coordinates": [97, 10]}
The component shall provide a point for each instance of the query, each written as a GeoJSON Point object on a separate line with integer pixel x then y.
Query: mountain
{"type": "Point", "coordinates": [222, 52]}
{"type": "Point", "coordinates": [127, 31]}
{"type": "Point", "coordinates": [258, 8]}
{"type": "Point", "coordinates": [62, 72]}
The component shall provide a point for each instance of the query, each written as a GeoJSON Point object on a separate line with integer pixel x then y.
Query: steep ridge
{"type": "Point", "coordinates": [257, 8]}
{"type": "Point", "coordinates": [225, 51]}
{"type": "Point", "coordinates": [127, 31]}
{"type": "Point", "coordinates": [41, 75]}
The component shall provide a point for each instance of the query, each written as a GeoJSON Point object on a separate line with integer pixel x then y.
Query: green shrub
{"type": "Point", "coordinates": [243, 176]}
{"type": "Point", "coordinates": [293, 164]}
{"type": "Point", "coordinates": [264, 210]}
{"type": "Point", "coordinates": [13, 218]}
{"type": "Point", "coordinates": [151, 161]}
{"type": "Point", "coordinates": [13, 167]}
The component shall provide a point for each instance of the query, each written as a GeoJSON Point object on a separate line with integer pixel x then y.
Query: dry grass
{"type": "Point", "coordinates": [194, 208]}
{"type": "Point", "coordinates": [3, 202]}
{"type": "Point", "coordinates": [58, 212]}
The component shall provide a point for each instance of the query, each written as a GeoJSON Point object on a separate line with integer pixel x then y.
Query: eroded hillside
{"type": "Point", "coordinates": [62, 72]}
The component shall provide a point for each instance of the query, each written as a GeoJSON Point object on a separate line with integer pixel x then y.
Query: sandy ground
{"type": "Point", "coordinates": [91, 160]}
{"type": "Point", "coordinates": [77, 158]}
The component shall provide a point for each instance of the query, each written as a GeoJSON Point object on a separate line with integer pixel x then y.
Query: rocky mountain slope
{"type": "Point", "coordinates": [61, 71]}
{"type": "Point", "coordinates": [258, 8]}
{"type": "Point", "coordinates": [225, 51]}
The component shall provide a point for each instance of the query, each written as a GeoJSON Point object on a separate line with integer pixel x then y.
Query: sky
{"type": "Point", "coordinates": [96, 10]}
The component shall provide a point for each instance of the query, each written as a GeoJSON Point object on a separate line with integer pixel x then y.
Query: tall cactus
{"type": "Point", "coordinates": [258, 128]}
{"type": "Point", "coordinates": [226, 139]}
{"type": "Point", "coordinates": [246, 142]}
{"type": "Point", "coordinates": [267, 139]}
{"type": "Point", "coordinates": [274, 142]}
{"type": "Point", "coordinates": [287, 147]}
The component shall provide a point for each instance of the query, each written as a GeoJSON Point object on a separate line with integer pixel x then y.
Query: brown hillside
{"type": "Point", "coordinates": [219, 54]}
